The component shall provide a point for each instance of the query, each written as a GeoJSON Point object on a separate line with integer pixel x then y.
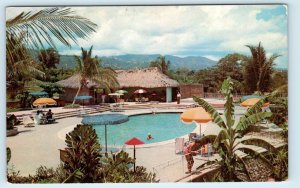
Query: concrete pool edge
{"type": "Point", "coordinates": [62, 133]}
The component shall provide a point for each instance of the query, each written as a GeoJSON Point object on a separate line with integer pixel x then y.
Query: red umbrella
{"type": "Point", "coordinates": [134, 141]}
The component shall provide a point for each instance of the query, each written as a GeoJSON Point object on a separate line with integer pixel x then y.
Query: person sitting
{"type": "Point", "coordinates": [37, 118]}
{"type": "Point", "coordinates": [149, 137]}
{"type": "Point", "coordinates": [49, 116]}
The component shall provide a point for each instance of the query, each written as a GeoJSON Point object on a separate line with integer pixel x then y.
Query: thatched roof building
{"type": "Point", "coordinates": [145, 78]}
{"type": "Point", "coordinates": [152, 79]}
{"type": "Point", "coordinates": [74, 82]}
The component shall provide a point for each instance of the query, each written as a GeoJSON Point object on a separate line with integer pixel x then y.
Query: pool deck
{"type": "Point", "coordinates": [39, 145]}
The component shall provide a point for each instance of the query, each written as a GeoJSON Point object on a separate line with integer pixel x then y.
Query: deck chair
{"type": "Point", "coordinates": [28, 122]}
{"type": "Point", "coordinates": [179, 145]}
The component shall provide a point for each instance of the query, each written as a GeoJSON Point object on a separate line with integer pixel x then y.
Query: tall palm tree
{"type": "Point", "coordinates": [228, 141]}
{"type": "Point", "coordinates": [161, 64]}
{"type": "Point", "coordinates": [259, 69]}
{"type": "Point", "coordinates": [34, 30]}
{"type": "Point", "coordinates": [90, 69]}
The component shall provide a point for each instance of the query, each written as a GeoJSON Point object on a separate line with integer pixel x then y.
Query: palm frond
{"type": "Point", "coordinates": [260, 143]}
{"type": "Point", "coordinates": [221, 138]}
{"type": "Point", "coordinates": [226, 90]}
{"type": "Point", "coordinates": [214, 113]}
{"type": "Point", "coordinates": [245, 122]}
{"type": "Point", "coordinates": [61, 23]}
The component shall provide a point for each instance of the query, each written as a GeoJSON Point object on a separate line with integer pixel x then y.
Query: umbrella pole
{"type": "Point", "coordinates": [134, 158]}
{"type": "Point", "coordinates": [200, 129]}
{"type": "Point", "coordinates": [105, 140]}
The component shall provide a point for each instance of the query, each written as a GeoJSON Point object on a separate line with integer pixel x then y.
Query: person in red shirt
{"type": "Point", "coordinates": [189, 151]}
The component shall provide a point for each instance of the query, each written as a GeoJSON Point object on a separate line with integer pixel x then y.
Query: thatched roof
{"type": "Point", "coordinates": [144, 78]}
{"type": "Point", "coordinates": [74, 82]}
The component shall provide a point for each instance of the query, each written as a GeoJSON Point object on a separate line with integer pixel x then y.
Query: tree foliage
{"type": "Point", "coordinates": [89, 68]}
{"type": "Point", "coordinates": [83, 153]}
{"type": "Point", "coordinates": [162, 64]}
{"type": "Point", "coordinates": [49, 58]}
{"type": "Point", "coordinates": [35, 30]}
{"type": "Point", "coordinates": [52, 88]}
{"type": "Point", "coordinates": [226, 143]}
{"type": "Point", "coordinates": [259, 69]}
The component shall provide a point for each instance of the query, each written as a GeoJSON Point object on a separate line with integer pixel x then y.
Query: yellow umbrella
{"type": "Point", "coordinates": [251, 102]}
{"type": "Point", "coordinates": [198, 115]}
{"type": "Point", "coordinates": [44, 101]}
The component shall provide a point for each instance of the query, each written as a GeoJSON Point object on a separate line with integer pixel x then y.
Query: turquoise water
{"type": "Point", "coordinates": [163, 126]}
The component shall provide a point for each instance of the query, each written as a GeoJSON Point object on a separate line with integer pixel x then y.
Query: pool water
{"type": "Point", "coordinates": [163, 126]}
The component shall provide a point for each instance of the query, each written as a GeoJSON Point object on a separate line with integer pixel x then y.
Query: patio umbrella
{"type": "Point", "coordinates": [44, 101]}
{"type": "Point", "coordinates": [83, 97]}
{"type": "Point", "coordinates": [105, 119]}
{"type": "Point", "coordinates": [38, 93]}
{"type": "Point", "coordinates": [121, 91]}
{"type": "Point", "coordinates": [250, 97]}
{"type": "Point", "coordinates": [252, 101]}
{"type": "Point", "coordinates": [198, 115]}
{"type": "Point", "coordinates": [140, 91]}
{"type": "Point", "coordinates": [134, 141]}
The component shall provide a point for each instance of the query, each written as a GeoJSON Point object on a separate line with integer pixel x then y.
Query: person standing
{"type": "Point", "coordinates": [178, 97]}
{"type": "Point", "coordinates": [189, 151]}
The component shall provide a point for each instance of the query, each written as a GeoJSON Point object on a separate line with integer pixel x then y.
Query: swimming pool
{"type": "Point", "coordinates": [162, 126]}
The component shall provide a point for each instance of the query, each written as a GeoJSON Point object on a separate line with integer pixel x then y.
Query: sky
{"type": "Point", "coordinates": [212, 31]}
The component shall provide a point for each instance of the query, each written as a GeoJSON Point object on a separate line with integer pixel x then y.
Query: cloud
{"type": "Point", "coordinates": [210, 30]}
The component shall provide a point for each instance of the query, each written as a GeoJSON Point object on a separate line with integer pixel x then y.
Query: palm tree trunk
{"type": "Point", "coordinates": [76, 94]}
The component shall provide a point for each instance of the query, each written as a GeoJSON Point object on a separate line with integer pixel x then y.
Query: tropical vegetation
{"type": "Point", "coordinates": [90, 70]}
{"type": "Point", "coordinates": [231, 139]}
{"type": "Point", "coordinates": [36, 30]}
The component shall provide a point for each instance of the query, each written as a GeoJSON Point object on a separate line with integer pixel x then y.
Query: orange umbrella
{"type": "Point", "coordinates": [198, 115]}
{"type": "Point", "coordinates": [251, 102]}
{"type": "Point", "coordinates": [44, 101]}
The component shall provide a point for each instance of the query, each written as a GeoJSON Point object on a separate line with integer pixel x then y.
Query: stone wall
{"type": "Point", "coordinates": [189, 90]}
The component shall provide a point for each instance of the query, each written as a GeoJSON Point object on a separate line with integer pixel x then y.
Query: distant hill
{"type": "Point", "coordinates": [142, 61]}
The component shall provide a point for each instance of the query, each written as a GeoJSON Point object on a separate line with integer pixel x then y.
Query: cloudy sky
{"type": "Point", "coordinates": [210, 31]}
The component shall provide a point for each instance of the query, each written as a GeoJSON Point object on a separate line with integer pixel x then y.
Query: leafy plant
{"type": "Point", "coordinates": [116, 169]}
{"type": "Point", "coordinates": [82, 154]}
{"type": "Point", "coordinates": [227, 142]}
{"type": "Point", "coordinates": [51, 88]}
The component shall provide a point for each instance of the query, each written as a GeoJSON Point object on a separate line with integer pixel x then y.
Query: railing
{"type": "Point", "coordinates": [163, 170]}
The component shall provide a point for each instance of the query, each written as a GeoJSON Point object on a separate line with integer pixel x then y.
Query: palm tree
{"type": "Point", "coordinates": [231, 140]}
{"type": "Point", "coordinates": [161, 64]}
{"type": "Point", "coordinates": [259, 69]}
{"type": "Point", "coordinates": [31, 30]}
{"type": "Point", "coordinates": [90, 69]}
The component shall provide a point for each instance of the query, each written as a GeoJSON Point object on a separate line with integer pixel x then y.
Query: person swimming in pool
{"type": "Point", "coordinates": [149, 137]}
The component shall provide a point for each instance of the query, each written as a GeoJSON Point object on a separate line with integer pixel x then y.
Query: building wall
{"type": "Point", "coordinates": [189, 90]}
{"type": "Point", "coordinates": [70, 93]}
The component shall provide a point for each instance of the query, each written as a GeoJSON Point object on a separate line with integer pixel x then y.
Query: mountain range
{"type": "Point", "coordinates": [130, 61]}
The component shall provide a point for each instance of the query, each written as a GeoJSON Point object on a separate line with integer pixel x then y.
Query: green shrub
{"type": "Point", "coordinates": [83, 153]}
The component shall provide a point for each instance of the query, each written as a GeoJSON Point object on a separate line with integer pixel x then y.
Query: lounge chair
{"type": "Point", "coordinates": [28, 122]}
{"type": "Point", "coordinates": [179, 145]}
